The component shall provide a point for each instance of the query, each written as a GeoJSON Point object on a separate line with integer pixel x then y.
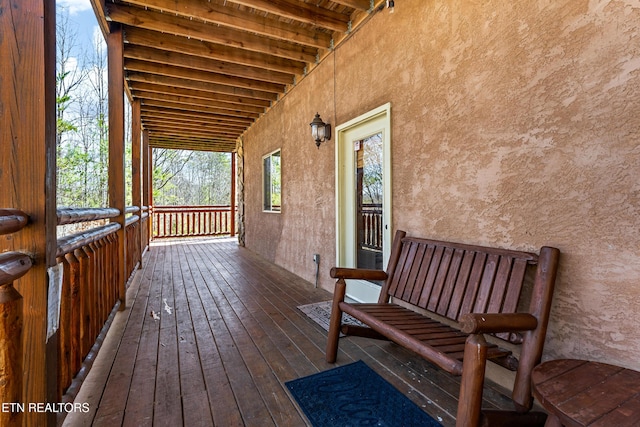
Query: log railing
{"type": "Point", "coordinates": [371, 224]}
{"type": "Point", "coordinates": [90, 293]}
{"type": "Point", "coordinates": [183, 221]}
{"type": "Point", "coordinates": [13, 265]}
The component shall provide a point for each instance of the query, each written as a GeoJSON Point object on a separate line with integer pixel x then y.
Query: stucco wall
{"type": "Point", "coordinates": [516, 125]}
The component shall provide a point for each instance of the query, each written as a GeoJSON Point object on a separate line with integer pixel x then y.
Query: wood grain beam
{"type": "Point", "coordinates": [195, 145]}
{"type": "Point", "coordinates": [179, 116]}
{"type": "Point", "coordinates": [205, 49]}
{"type": "Point", "coordinates": [167, 130]}
{"type": "Point", "coordinates": [251, 88]}
{"type": "Point", "coordinates": [155, 137]}
{"type": "Point", "coordinates": [302, 12]}
{"type": "Point", "coordinates": [355, 4]}
{"type": "Point", "coordinates": [202, 126]}
{"type": "Point", "coordinates": [205, 64]}
{"type": "Point", "coordinates": [199, 122]}
{"type": "Point", "coordinates": [172, 24]}
{"type": "Point", "coordinates": [197, 109]}
{"type": "Point", "coordinates": [195, 89]}
{"type": "Point", "coordinates": [160, 111]}
{"type": "Point", "coordinates": [230, 17]}
{"type": "Point", "coordinates": [140, 92]}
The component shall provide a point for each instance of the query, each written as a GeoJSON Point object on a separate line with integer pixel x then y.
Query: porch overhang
{"type": "Point", "coordinates": [204, 72]}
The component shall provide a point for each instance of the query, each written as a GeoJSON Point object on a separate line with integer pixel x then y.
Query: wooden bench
{"type": "Point", "coordinates": [476, 290]}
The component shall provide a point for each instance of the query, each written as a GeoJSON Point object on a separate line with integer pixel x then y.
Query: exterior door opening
{"type": "Point", "coordinates": [363, 198]}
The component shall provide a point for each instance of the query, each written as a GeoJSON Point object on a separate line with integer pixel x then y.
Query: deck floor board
{"type": "Point", "coordinates": [229, 335]}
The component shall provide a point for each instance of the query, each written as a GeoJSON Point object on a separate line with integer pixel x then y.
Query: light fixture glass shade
{"type": "Point", "coordinates": [318, 130]}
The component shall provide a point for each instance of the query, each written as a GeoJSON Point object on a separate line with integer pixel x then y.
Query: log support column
{"type": "Point", "coordinates": [115, 55]}
{"type": "Point", "coordinates": [28, 183]}
{"type": "Point", "coordinates": [136, 166]}
{"type": "Point", "coordinates": [146, 184]}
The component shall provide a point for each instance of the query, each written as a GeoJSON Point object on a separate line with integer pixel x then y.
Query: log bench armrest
{"type": "Point", "coordinates": [357, 273]}
{"type": "Point", "coordinates": [478, 323]}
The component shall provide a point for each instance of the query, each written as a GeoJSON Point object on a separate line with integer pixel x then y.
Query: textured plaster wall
{"type": "Point", "coordinates": [514, 124]}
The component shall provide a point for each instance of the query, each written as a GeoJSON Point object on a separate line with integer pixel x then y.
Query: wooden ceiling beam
{"type": "Point", "coordinates": [157, 136]}
{"type": "Point", "coordinates": [160, 112]}
{"type": "Point", "coordinates": [191, 133]}
{"type": "Point", "coordinates": [205, 49]}
{"type": "Point", "coordinates": [180, 134]}
{"type": "Point", "coordinates": [150, 20]}
{"type": "Point", "coordinates": [191, 121]}
{"type": "Point", "coordinates": [181, 124]}
{"type": "Point", "coordinates": [211, 146]}
{"type": "Point", "coordinates": [355, 4]}
{"type": "Point", "coordinates": [302, 12]}
{"type": "Point", "coordinates": [255, 88]}
{"type": "Point", "coordinates": [197, 108]}
{"type": "Point", "coordinates": [230, 17]}
{"type": "Point", "coordinates": [166, 57]}
{"type": "Point", "coordinates": [197, 89]}
{"type": "Point", "coordinates": [140, 93]}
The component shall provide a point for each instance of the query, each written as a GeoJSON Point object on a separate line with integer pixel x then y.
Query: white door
{"type": "Point", "coordinates": [363, 195]}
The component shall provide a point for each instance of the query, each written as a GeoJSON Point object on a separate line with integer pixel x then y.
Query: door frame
{"type": "Point", "coordinates": [367, 124]}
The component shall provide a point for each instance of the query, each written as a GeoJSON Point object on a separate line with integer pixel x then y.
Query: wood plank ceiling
{"type": "Point", "coordinates": [205, 70]}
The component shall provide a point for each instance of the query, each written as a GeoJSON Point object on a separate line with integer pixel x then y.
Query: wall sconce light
{"type": "Point", "coordinates": [391, 5]}
{"type": "Point", "coordinates": [320, 131]}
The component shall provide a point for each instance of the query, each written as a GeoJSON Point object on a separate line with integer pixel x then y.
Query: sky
{"type": "Point", "coordinates": [82, 17]}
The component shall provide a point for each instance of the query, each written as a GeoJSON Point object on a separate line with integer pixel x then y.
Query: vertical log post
{"type": "Point", "coordinates": [473, 366]}
{"type": "Point", "coordinates": [136, 180]}
{"type": "Point", "coordinates": [146, 185]}
{"type": "Point", "coordinates": [28, 180]}
{"type": "Point", "coordinates": [115, 58]}
{"type": "Point", "coordinates": [233, 194]}
{"type": "Point", "coordinates": [336, 321]}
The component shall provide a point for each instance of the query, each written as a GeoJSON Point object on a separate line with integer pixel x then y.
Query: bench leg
{"type": "Point", "coordinates": [336, 321]}
{"type": "Point", "coordinates": [473, 365]}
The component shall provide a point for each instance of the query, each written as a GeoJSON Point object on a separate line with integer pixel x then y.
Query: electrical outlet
{"type": "Point", "coordinates": [316, 258]}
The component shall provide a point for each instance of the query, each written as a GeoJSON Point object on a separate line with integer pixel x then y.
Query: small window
{"type": "Point", "coordinates": [272, 184]}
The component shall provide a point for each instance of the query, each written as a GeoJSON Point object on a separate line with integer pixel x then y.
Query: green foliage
{"type": "Point", "coordinates": [179, 177]}
{"type": "Point", "coordinates": [191, 178]}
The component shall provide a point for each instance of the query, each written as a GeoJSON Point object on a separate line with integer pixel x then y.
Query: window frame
{"type": "Point", "coordinates": [267, 193]}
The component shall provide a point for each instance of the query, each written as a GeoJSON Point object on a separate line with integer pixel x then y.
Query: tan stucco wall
{"type": "Point", "coordinates": [515, 125]}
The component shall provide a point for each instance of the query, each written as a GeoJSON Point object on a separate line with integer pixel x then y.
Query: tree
{"type": "Point", "coordinates": [69, 74]}
{"type": "Point", "coordinates": [191, 177]}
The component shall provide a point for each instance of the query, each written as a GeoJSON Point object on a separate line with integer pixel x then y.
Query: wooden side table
{"type": "Point", "coordinates": [582, 393]}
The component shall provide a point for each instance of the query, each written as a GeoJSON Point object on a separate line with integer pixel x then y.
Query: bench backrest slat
{"type": "Point", "coordinates": [453, 279]}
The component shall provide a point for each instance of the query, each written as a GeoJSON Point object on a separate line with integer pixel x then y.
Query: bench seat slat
{"type": "Point", "coordinates": [488, 279]}
{"type": "Point", "coordinates": [409, 284]}
{"type": "Point", "coordinates": [422, 275]}
{"type": "Point", "coordinates": [515, 286]}
{"type": "Point", "coordinates": [449, 286]}
{"type": "Point", "coordinates": [443, 338]}
{"type": "Point", "coordinates": [449, 364]}
{"type": "Point", "coordinates": [432, 273]}
{"type": "Point", "coordinates": [471, 290]}
{"type": "Point", "coordinates": [461, 285]}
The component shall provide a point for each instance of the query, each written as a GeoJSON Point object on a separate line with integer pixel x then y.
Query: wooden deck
{"type": "Point", "coordinates": [228, 336]}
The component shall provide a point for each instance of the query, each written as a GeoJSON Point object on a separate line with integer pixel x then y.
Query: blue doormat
{"type": "Point", "coordinates": [355, 395]}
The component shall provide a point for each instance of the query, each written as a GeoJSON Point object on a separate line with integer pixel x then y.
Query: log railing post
{"type": "Point", "coordinates": [12, 266]}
